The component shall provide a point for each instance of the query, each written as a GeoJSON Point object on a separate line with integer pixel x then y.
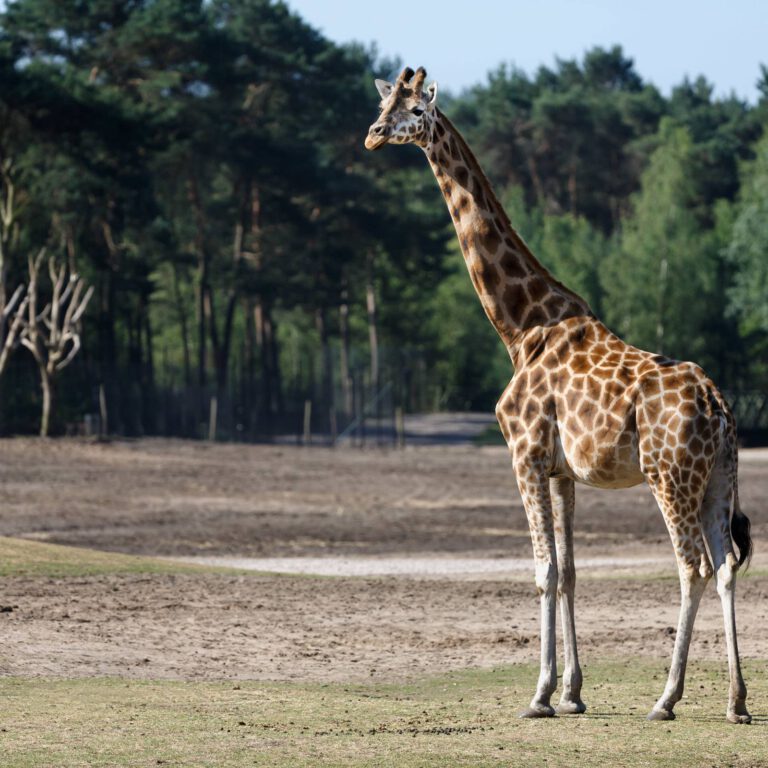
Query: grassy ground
{"type": "Point", "coordinates": [461, 719]}
{"type": "Point", "coordinates": [20, 557]}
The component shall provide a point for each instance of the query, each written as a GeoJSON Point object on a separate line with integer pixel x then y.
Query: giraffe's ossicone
{"type": "Point", "coordinates": [585, 407]}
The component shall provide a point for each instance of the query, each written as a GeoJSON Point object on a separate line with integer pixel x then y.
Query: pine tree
{"type": "Point", "coordinates": [657, 280]}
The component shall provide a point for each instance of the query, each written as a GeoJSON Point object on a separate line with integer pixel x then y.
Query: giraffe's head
{"type": "Point", "coordinates": [407, 111]}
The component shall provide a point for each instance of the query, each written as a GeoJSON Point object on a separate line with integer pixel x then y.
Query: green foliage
{"type": "Point", "coordinates": [472, 367]}
{"type": "Point", "coordinates": [748, 248]}
{"type": "Point", "coordinates": [201, 164]}
{"type": "Point", "coordinates": [747, 258]}
{"type": "Point", "coordinates": [661, 259]}
{"type": "Point", "coordinates": [574, 251]}
{"type": "Point", "coordinates": [570, 137]}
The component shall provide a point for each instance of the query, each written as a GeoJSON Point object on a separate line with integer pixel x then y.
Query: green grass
{"type": "Point", "coordinates": [20, 557]}
{"type": "Point", "coordinates": [460, 719]}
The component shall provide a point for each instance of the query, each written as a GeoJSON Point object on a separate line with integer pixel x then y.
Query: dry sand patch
{"type": "Point", "coordinates": [292, 628]}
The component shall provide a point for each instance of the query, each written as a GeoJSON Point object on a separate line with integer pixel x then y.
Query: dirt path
{"type": "Point", "coordinates": [289, 628]}
{"type": "Point", "coordinates": [435, 566]}
{"type": "Point", "coordinates": [163, 497]}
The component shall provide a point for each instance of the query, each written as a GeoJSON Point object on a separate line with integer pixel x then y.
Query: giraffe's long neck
{"type": "Point", "coordinates": [516, 291]}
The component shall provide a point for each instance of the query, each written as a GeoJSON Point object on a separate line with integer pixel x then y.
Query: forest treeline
{"type": "Point", "coordinates": [196, 170]}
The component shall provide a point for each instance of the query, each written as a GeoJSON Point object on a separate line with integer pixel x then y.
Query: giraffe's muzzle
{"type": "Point", "coordinates": [378, 135]}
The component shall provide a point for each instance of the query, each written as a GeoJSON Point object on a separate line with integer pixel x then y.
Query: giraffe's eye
{"type": "Point", "coordinates": [417, 111]}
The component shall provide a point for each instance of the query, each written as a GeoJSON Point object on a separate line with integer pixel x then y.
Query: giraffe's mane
{"type": "Point", "coordinates": [532, 262]}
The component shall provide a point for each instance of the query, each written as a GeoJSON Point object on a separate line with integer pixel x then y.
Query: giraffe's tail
{"type": "Point", "coordinates": [740, 524]}
{"type": "Point", "coordinates": [740, 532]}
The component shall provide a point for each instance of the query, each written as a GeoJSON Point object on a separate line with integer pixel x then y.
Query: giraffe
{"type": "Point", "coordinates": [584, 406]}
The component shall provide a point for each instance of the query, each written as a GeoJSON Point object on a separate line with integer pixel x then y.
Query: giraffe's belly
{"type": "Point", "coordinates": [613, 464]}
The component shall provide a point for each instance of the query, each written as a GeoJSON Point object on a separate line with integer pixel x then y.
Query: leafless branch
{"type": "Point", "coordinates": [52, 334]}
{"type": "Point", "coordinates": [11, 337]}
{"type": "Point", "coordinates": [10, 305]}
{"type": "Point", "coordinates": [11, 310]}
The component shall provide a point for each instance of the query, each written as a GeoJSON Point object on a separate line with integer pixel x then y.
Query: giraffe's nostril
{"type": "Point", "coordinates": [379, 130]}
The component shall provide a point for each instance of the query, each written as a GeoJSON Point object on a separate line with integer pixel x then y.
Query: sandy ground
{"type": "Point", "coordinates": [436, 505]}
{"type": "Point", "coordinates": [290, 628]}
{"type": "Point", "coordinates": [424, 566]}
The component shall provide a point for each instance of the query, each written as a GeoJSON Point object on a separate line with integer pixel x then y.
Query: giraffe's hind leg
{"type": "Point", "coordinates": [562, 493]}
{"type": "Point", "coordinates": [716, 516]}
{"type": "Point", "coordinates": [680, 503]}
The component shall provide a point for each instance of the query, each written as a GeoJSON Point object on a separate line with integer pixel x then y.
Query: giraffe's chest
{"type": "Point", "coordinates": [580, 436]}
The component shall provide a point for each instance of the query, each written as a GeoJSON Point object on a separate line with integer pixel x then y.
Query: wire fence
{"type": "Point", "coordinates": [316, 404]}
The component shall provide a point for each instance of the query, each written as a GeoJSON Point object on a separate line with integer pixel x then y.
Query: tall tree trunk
{"type": "Point", "coordinates": [182, 317]}
{"type": "Point", "coordinates": [134, 383]}
{"type": "Point", "coordinates": [223, 347]}
{"type": "Point", "coordinates": [249, 364]}
{"type": "Point", "coordinates": [661, 305]}
{"type": "Point", "coordinates": [209, 308]}
{"type": "Point", "coordinates": [203, 287]}
{"type": "Point", "coordinates": [538, 186]}
{"type": "Point", "coordinates": [274, 353]}
{"type": "Point", "coordinates": [48, 388]}
{"type": "Point", "coordinates": [107, 336]}
{"type": "Point", "coordinates": [247, 223]}
{"type": "Point", "coordinates": [202, 337]}
{"type": "Point", "coordinates": [346, 377]}
{"type": "Point", "coordinates": [263, 326]}
{"type": "Point", "coordinates": [326, 376]}
{"type": "Point", "coordinates": [373, 333]}
{"type": "Point", "coordinates": [149, 396]}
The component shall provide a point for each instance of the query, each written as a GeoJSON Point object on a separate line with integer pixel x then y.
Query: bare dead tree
{"type": "Point", "coordinates": [11, 309]}
{"type": "Point", "coordinates": [11, 322]}
{"type": "Point", "coordinates": [52, 334]}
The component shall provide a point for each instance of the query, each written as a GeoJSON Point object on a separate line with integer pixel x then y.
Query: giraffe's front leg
{"type": "Point", "coordinates": [563, 504]}
{"type": "Point", "coordinates": [534, 489]}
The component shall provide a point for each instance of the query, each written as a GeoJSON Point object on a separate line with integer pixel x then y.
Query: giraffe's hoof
{"type": "Point", "coordinates": [743, 719]}
{"type": "Point", "coordinates": [661, 714]}
{"type": "Point", "coordinates": [540, 710]}
{"type": "Point", "coordinates": [568, 707]}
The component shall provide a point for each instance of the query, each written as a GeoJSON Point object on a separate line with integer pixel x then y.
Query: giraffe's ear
{"type": "Point", "coordinates": [432, 91]}
{"type": "Point", "coordinates": [383, 87]}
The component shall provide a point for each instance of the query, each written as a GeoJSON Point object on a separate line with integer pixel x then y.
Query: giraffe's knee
{"type": "Point", "coordinates": [726, 575]}
{"type": "Point", "coordinates": [705, 572]}
{"type": "Point", "coordinates": [546, 578]}
{"type": "Point", "coordinates": [694, 560]}
{"type": "Point", "coordinates": [566, 579]}
{"type": "Point", "coordinates": [705, 567]}
{"type": "Point", "coordinates": [695, 574]}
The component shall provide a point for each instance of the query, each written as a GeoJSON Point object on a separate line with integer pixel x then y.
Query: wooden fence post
{"type": "Point", "coordinates": [213, 418]}
{"type": "Point", "coordinates": [307, 422]}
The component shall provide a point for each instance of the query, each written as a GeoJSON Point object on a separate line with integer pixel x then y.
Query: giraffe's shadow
{"type": "Point", "coordinates": [680, 717]}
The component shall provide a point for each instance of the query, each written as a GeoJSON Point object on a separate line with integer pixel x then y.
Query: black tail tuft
{"type": "Point", "coordinates": [740, 526]}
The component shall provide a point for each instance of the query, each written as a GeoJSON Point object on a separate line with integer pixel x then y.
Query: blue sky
{"type": "Point", "coordinates": [459, 42]}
